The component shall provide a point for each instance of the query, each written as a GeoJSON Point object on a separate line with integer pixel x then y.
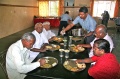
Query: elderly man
{"type": "Point", "coordinates": [17, 58]}
{"type": "Point", "coordinates": [46, 30]}
{"type": "Point", "coordinates": [87, 23]}
{"type": "Point", "coordinates": [100, 33]}
{"type": "Point", "coordinates": [41, 41]}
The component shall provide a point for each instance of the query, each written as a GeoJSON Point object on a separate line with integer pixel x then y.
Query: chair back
{"type": "Point", "coordinates": [3, 74]}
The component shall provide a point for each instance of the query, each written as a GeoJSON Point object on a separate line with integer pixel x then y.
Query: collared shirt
{"type": "Point", "coordinates": [17, 61]}
{"type": "Point", "coordinates": [89, 24]}
{"type": "Point", "coordinates": [48, 33]}
{"type": "Point", "coordinates": [65, 17]}
{"type": "Point", "coordinates": [108, 38]}
{"type": "Point", "coordinates": [40, 40]}
{"type": "Point", "coordinates": [106, 67]}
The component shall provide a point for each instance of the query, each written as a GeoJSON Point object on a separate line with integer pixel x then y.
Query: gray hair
{"type": "Point", "coordinates": [37, 24]}
{"type": "Point", "coordinates": [46, 23]}
{"type": "Point", "coordinates": [28, 36]}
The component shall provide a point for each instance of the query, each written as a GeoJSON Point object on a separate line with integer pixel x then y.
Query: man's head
{"type": "Point", "coordinates": [83, 12]}
{"type": "Point", "coordinates": [38, 27]}
{"type": "Point", "coordinates": [100, 31]}
{"type": "Point", "coordinates": [100, 47]}
{"type": "Point", "coordinates": [46, 25]}
{"type": "Point", "coordinates": [66, 12]}
{"type": "Point", "coordinates": [28, 40]}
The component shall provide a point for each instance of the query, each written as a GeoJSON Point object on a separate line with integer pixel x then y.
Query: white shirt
{"type": "Point", "coordinates": [17, 61]}
{"type": "Point", "coordinates": [40, 40]}
{"type": "Point", "coordinates": [48, 33]}
{"type": "Point", "coordinates": [108, 38]}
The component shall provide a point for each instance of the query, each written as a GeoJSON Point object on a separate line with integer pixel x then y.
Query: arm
{"type": "Point", "coordinates": [68, 27]}
{"type": "Point", "coordinates": [84, 45]}
{"type": "Point", "coordinates": [20, 64]}
{"type": "Point", "coordinates": [86, 60]}
{"type": "Point", "coordinates": [90, 33]}
{"type": "Point", "coordinates": [42, 49]}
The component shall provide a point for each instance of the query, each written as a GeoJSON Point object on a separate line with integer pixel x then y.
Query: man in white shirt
{"type": "Point", "coordinates": [17, 58]}
{"type": "Point", "coordinates": [100, 33]}
{"type": "Point", "coordinates": [46, 30]}
{"type": "Point", "coordinates": [40, 43]}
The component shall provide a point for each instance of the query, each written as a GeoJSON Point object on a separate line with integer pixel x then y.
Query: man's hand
{"type": "Point", "coordinates": [62, 32]}
{"type": "Point", "coordinates": [42, 61]}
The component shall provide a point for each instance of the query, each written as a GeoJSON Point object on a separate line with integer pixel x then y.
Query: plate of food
{"type": "Point", "coordinates": [71, 65]}
{"type": "Point", "coordinates": [58, 39]}
{"type": "Point", "coordinates": [76, 49]}
{"type": "Point", "coordinates": [52, 47]}
{"type": "Point", "coordinates": [50, 62]}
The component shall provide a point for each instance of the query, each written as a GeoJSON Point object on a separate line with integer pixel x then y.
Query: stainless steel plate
{"type": "Point", "coordinates": [53, 47]}
{"type": "Point", "coordinates": [72, 66]}
{"type": "Point", "coordinates": [50, 62]}
{"type": "Point", "coordinates": [76, 49]}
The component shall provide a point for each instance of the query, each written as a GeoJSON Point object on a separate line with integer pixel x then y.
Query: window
{"type": "Point", "coordinates": [100, 6]}
{"type": "Point", "coordinates": [53, 8]}
{"type": "Point", "coordinates": [48, 8]}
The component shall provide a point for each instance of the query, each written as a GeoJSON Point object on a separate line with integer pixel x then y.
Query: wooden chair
{"type": "Point", "coordinates": [117, 22]}
{"type": "Point", "coordinates": [3, 74]}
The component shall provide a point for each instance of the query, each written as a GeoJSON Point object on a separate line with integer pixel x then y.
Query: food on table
{"type": "Point", "coordinates": [66, 50]}
{"type": "Point", "coordinates": [49, 62]}
{"type": "Point", "coordinates": [76, 49]}
{"type": "Point", "coordinates": [46, 65]}
{"type": "Point", "coordinates": [74, 69]}
{"type": "Point", "coordinates": [82, 65]}
{"type": "Point", "coordinates": [49, 47]}
{"type": "Point", "coordinates": [71, 65]}
{"type": "Point", "coordinates": [52, 47]}
{"type": "Point", "coordinates": [81, 48]}
{"type": "Point", "coordinates": [58, 39]}
{"type": "Point", "coordinates": [54, 64]}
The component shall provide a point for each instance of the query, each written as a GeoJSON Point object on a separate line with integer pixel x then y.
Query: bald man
{"type": "Point", "coordinates": [41, 41]}
{"type": "Point", "coordinates": [100, 33]}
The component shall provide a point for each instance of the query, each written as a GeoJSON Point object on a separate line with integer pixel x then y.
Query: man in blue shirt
{"type": "Point", "coordinates": [87, 23]}
{"type": "Point", "coordinates": [65, 18]}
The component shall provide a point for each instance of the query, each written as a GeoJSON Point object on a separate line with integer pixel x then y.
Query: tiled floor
{"type": "Point", "coordinates": [7, 41]}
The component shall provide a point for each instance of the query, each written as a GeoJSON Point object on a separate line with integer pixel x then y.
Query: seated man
{"type": "Point", "coordinates": [41, 41]}
{"type": "Point", "coordinates": [17, 58]}
{"type": "Point", "coordinates": [106, 66]}
{"type": "Point", "coordinates": [100, 33]}
{"type": "Point", "coordinates": [46, 30]}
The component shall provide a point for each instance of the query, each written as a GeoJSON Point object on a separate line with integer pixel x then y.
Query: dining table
{"type": "Point", "coordinates": [59, 71]}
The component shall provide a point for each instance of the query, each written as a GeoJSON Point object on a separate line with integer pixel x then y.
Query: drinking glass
{"type": "Point", "coordinates": [65, 42]}
{"type": "Point", "coordinates": [61, 52]}
{"type": "Point", "coordinates": [70, 40]}
{"type": "Point", "coordinates": [67, 53]}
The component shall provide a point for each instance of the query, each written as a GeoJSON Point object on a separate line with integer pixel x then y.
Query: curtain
{"type": "Point", "coordinates": [116, 8]}
{"type": "Point", "coordinates": [91, 7]}
{"type": "Point", "coordinates": [61, 7]}
{"type": "Point", "coordinates": [43, 8]}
